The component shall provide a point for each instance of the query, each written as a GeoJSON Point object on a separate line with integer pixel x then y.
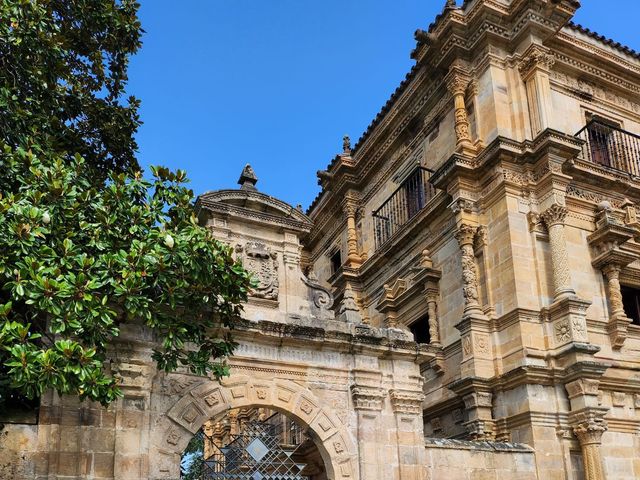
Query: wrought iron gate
{"type": "Point", "coordinates": [261, 450]}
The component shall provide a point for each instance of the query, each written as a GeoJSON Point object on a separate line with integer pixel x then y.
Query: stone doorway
{"type": "Point", "coordinates": [253, 444]}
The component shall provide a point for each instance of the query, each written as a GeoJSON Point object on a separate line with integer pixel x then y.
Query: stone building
{"type": "Point", "coordinates": [461, 300]}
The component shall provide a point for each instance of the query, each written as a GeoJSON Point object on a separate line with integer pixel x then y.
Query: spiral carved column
{"type": "Point", "coordinates": [465, 236]}
{"type": "Point", "coordinates": [457, 83]}
{"type": "Point", "coordinates": [352, 236]}
{"type": "Point", "coordinates": [554, 218]}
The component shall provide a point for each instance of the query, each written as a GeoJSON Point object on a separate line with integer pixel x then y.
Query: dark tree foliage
{"type": "Point", "coordinates": [86, 243]}
{"type": "Point", "coordinates": [63, 72]}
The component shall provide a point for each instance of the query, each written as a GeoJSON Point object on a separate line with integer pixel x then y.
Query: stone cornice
{"type": "Point", "coordinates": [335, 336]}
{"type": "Point", "coordinates": [244, 204]}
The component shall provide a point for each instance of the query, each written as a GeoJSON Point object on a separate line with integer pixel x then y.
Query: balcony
{"type": "Point", "coordinates": [407, 200]}
{"type": "Point", "coordinates": [608, 145]}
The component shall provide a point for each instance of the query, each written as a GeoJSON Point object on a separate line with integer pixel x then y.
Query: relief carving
{"type": "Point", "coordinates": [262, 263]}
{"type": "Point", "coordinates": [320, 298]}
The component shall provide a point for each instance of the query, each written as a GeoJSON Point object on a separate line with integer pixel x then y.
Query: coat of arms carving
{"type": "Point", "coordinates": [262, 263]}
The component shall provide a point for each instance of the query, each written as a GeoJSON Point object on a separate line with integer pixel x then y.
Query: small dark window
{"type": "Point", "coordinates": [631, 302]}
{"type": "Point", "coordinates": [420, 330]}
{"type": "Point", "coordinates": [336, 261]}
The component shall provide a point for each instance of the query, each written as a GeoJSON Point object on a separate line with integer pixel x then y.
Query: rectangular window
{"type": "Point", "coordinates": [336, 261]}
{"type": "Point", "coordinates": [631, 302]}
{"type": "Point", "coordinates": [601, 134]}
{"type": "Point", "coordinates": [420, 330]}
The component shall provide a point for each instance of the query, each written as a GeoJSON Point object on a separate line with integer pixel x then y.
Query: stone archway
{"type": "Point", "coordinates": [174, 428]}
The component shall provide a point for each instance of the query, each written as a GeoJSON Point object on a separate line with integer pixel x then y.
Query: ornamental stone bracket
{"type": "Point", "coordinates": [320, 299]}
{"type": "Point", "coordinates": [608, 256]}
{"type": "Point", "coordinates": [477, 396]}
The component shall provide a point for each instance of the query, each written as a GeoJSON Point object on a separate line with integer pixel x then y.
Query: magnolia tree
{"type": "Point", "coordinates": [86, 243]}
{"type": "Point", "coordinates": [78, 259]}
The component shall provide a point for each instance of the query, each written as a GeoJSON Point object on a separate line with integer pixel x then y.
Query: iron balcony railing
{"type": "Point", "coordinates": [610, 146]}
{"type": "Point", "coordinates": [407, 200]}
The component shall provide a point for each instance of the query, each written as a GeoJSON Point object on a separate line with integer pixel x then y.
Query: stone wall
{"type": "Point", "coordinates": [463, 460]}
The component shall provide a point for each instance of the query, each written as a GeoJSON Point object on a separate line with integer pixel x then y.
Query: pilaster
{"type": "Point", "coordinates": [534, 69]}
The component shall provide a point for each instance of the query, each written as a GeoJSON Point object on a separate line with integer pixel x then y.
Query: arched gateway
{"type": "Point", "coordinates": [355, 389]}
{"type": "Point", "coordinates": [210, 399]}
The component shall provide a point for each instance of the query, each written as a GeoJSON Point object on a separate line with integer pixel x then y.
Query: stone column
{"type": "Point", "coordinates": [554, 218]}
{"type": "Point", "coordinates": [353, 256]}
{"type": "Point", "coordinates": [457, 82]}
{"type": "Point", "coordinates": [432, 311]}
{"type": "Point", "coordinates": [589, 432]}
{"type": "Point", "coordinates": [465, 236]}
{"type": "Point", "coordinates": [612, 274]}
{"type": "Point", "coordinates": [586, 417]}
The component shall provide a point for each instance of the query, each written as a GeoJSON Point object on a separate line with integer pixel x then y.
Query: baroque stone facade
{"type": "Point", "coordinates": [461, 300]}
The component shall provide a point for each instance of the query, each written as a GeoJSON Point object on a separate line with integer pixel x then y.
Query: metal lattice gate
{"type": "Point", "coordinates": [260, 450]}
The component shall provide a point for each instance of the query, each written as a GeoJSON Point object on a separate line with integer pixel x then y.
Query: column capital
{"type": "Point", "coordinates": [465, 234]}
{"type": "Point", "coordinates": [457, 81]}
{"type": "Point", "coordinates": [535, 57]}
{"type": "Point", "coordinates": [611, 270]}
{"type": "Point", "coordinates": [554, 215]}
{"type": "Point", "coordinates": [589, 426]}
{"type": "Point", "coordinates": [367, 398]}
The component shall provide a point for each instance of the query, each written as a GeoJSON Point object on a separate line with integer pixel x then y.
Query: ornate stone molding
{"type": "Point", "coordinates": [535, 57]}
{"type": "Point", "coordinates": [367, 398]}
{"type": "Point", "coordinates": [407, 402]}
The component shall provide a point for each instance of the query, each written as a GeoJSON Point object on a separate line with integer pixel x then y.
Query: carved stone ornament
{"type": "Point", "coordinates": [407, 402]}
{"type": "Point", "coordinates": [367, 398]}
{"type": "Point", "coordinates": [535, 57]}
{"type": "Point", "coordinates": [554, 215]}
{"type": "Point", "coordinates": [262, 263]}
{"type": "Point", "coordinates": [320, 298]}
{"type": "Point", "coordinates": [589, 428]}
{"type": "Point", "coordinates": [465, 236]}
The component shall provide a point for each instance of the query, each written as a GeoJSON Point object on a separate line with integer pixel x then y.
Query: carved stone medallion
{"type": "Point", "coordinates": [262, 263]}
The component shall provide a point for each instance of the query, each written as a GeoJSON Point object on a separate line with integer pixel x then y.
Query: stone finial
{"type": "Point", "coordinates": [346, 145]}
{"type": "Point", "coordinates": [248, 178]}
{"type": "Point", "coordinates": [450, 4]}
{"type": "Point", "coordinates": [425, 259]}
{"type": "Point", "coordinates": [348, 310]}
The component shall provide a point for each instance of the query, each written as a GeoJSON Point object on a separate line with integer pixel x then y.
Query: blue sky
{"type": "Point", "coordinates": [277, 83]}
